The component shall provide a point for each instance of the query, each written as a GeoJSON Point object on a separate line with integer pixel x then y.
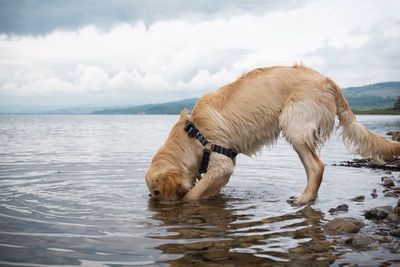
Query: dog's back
{"type": "Point", "coordinates": [251, 111]}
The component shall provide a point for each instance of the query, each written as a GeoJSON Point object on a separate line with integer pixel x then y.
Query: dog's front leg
{"type": "Point", "coordinates": [217, 176]}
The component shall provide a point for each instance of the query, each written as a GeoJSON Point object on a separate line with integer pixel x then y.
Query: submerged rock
{"type": "Point", "coordinates": [379, 213]}
{"type": "Point", "coordinates": [359, 241]}
{"type": "Point", "coordinates": [343, 225]}
{"type": "Point", "coordinates": [358, 198]}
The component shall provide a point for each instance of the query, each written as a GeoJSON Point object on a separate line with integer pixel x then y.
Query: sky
{"type": "Point", "coordinates": [66, 53]}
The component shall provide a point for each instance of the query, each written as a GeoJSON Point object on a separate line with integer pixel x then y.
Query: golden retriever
{"type": "Point", "coordinates": [250, 113]}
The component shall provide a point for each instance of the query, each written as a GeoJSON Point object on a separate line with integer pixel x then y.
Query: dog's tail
{"type": "Point", "coordinates": [359, 138]}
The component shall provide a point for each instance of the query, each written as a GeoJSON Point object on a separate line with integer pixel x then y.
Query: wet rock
{"type": "Point", "coordinates": [359, 241]}
{"type": "Point", "coordinates": [343, 225]}
{"type": "Point", "coordinates": [340, 208]}
{"type": "Point", "coordinates": [318, 246]}
{"type": "Point", "coordinates": [398, 203]}
{"type": "Point", "coordinates": [379, 213]}
{"type": "Point", "coordinates": [397, 192]}
{"type": "Point", "coordinates": [387, 181]}
{"type": "Point", "coordinates": [358, 198]}
{"type": "Point", "coordinates": [374, 194]}
{"type": "Point", "coordinates": [388, 172]}
{"type": "Point", "coordinates": [390, 194]}
{"type": "Point", "coordinates": [396, 210]}
{"type": "Point", "coordinates": [199, 245]}
{"type": "Point", "coordinates": [343, 207]}
{"type": "Point", "coordinates": [395, 232]}
{"type": "Point", "coordinates": [393, 218]}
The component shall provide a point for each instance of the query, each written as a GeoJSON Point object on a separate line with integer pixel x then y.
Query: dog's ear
{"type": "Point", "coordinates": [390, 133]}
{"type": "Point", "coordinates": [184, 114]}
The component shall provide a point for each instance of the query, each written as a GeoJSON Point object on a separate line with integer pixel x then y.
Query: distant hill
{"type": "Point", "coordinates": [379, 95]}
{"type": "Point", "coordinates": [164, 108]}
{"type": "Point", "coordinates": [373, 96]}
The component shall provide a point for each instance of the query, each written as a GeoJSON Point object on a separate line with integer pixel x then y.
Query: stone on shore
{"type": "Point", "coordinates": [379, 213]}
{"type": "Point", "coordinates": [340, 208]}
{"type": "Point", "coordinates": [359, 241]}
{"type": "Point", "coordinates": [343, 226]}
{"type": "Point", "coordinates": [358, 198]}
{"type": "Point", "coordinates": [387, 181]}
{"type": "Point", "coordinates": [390, 194]}
{"type": "Point", "coordinates": [396, 210]}
{"type": "Point", "coordinates": [393, 218]}
{"type": "Point", "coordinates": [395, 232]}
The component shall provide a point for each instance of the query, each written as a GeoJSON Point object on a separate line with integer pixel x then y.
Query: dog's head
{"type": "Point", "coordinates": [166, 184]}
{"type": "Point", "coordinates": [164, 177]}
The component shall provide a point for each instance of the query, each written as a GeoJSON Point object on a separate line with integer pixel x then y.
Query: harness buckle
{"type": "Point", "coordinates": [209, 146]}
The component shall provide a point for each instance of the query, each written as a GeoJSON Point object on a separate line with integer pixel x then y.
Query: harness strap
{"type": "Point", "coordinates": [193, 132]}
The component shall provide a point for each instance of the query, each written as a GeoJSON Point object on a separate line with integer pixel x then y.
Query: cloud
{"type": "Point", "coordinates": [184, 56]}
{"type": "Point", "coordinates": [374, 60]}
{"type": "Point", "coordinates": [31, 17]}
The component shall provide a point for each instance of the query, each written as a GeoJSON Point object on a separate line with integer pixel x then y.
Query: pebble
{"type": "Point", "coordinates": [343, 225]}
{"type": "Point", "coordinates": [374, 194]}
{"type": "Point", "coordinates": [378, 212]}
{"type": "Point", "coordinates": [358, 198]}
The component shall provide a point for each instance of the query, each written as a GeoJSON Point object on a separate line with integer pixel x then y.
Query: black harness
{"type": "Point", "coordinates": [209, 147]}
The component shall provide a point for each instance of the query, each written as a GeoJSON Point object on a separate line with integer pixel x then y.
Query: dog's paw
{"type": "Point", "coordinates": [301, 200]}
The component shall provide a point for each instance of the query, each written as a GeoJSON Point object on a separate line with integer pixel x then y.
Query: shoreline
{"type": "Point", "coordinates": [353, 233]}
{"type": "Point", "coordinates": [389, 111]}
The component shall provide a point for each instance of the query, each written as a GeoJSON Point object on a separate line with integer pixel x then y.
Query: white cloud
{"type": "Point", "coordinates": [339, 38]}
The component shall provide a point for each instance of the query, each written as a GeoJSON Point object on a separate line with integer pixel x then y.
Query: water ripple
{"type": "Point", "coordinates": [72, 193]}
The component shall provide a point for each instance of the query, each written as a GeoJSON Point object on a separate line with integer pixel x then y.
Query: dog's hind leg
{"type": "Point", "coordinates": [306, 122]}
{"type": "Point", "coordinates": [314, 169]}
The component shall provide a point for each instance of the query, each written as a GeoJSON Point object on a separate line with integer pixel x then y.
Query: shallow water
{"type": "Point", "coordinates": [72, 192]}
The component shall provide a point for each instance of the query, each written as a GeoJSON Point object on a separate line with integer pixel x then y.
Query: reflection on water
{"type": "Point", "coordinates": [213, 232]}
{"type": "Point", "coordinates": [72, 192]}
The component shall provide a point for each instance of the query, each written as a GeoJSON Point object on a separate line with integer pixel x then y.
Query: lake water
{"type": "Point", "coordinates": [72, 192]}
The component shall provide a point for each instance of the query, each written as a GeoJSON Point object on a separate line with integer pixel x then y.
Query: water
{"type": "Point", "coordinates": [72, 192]}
